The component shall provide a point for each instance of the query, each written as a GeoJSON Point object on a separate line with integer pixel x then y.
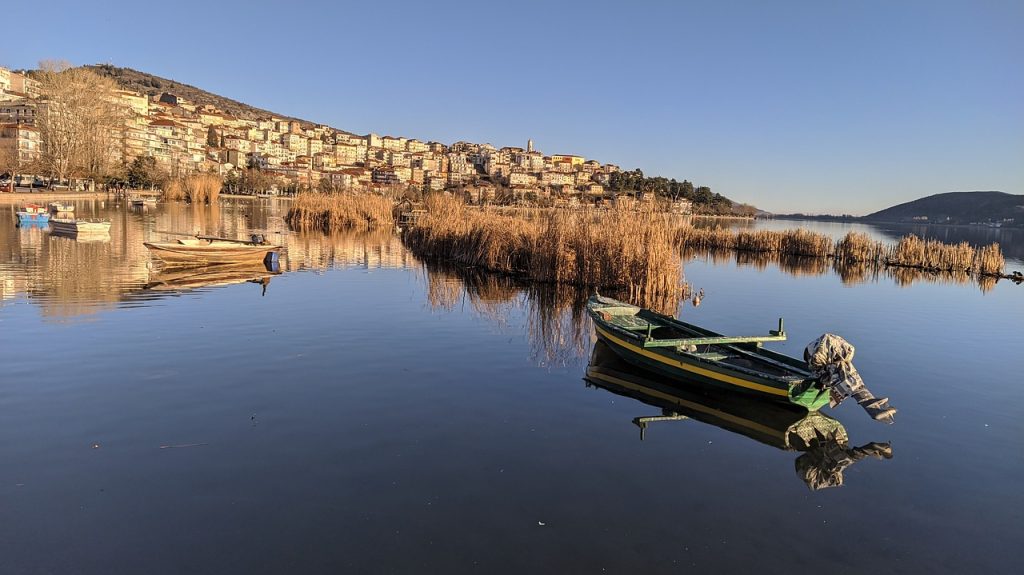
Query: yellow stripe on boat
{"type": "Point", "coordinates": [692, 368]}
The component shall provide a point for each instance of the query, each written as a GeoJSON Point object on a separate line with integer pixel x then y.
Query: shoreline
{"type": "Point", "coordinates": [44, 197]}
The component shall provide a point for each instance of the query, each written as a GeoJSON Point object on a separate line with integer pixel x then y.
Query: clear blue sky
{"type": "Point", "coordinates": [824, 107]}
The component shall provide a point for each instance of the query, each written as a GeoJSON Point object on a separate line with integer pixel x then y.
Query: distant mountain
{"type": "Point", "coordinates": [151, 85]}
{"type": "Point", "coordinates": [956, 208]}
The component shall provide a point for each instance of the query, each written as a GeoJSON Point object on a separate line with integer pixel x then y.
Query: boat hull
{"type": "Point", "coordinates": [780, 425]}
{"type": "Point", "coordinates": [691, 370]}
{"type": "Point", "coordinates": [192, 255]}
{"type": "Point", "coordinates": [33, 218]}
{"type": "Point", "coordinates": [79, 227]}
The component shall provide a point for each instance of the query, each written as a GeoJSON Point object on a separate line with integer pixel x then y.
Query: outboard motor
{"type": "Point", "coordinates": [257, 239]}
{"type": "Point", "coordinates": [830, 358]}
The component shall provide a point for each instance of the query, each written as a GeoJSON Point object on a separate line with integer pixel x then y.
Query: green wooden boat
{"type": "Point", "coordinates": [684, 351]}
{"type": "Point", "coordinates": [784, 426]}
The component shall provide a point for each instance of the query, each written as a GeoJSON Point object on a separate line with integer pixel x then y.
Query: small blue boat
{"type": "Point", "coordinates": [33, 214]}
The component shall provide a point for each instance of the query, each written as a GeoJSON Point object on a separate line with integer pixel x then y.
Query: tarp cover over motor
{"type": "Point", "coordinates": [830, 359]}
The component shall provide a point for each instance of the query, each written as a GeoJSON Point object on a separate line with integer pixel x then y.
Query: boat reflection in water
{"type": "Point", "coordinates": [182, 279]}
{"type": "Point", "coordinates": [823, 441]}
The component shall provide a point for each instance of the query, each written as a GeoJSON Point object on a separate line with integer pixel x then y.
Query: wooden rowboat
{"type": "Point", "coordinates": [206, 251]}
{"type": "Point", "coordinates": [786, 427]}
{"type": "Point", "coordinates": [682, 350]}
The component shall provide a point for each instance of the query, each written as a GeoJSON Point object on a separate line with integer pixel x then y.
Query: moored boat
{"type": "Point", "coordinates": [33, 214]}
{"type": "Point", "coordinates": [737, 363]}
{"type": "Point", "coordinates": [77, 226]}
{"type": "Point", "coordinates": [141, 202]}
{"type": "Point", "coordinates": [61, 207]}
{"type": "Point", "coordinates": [205, 251]}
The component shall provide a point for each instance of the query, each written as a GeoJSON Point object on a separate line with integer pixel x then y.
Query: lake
{"type": "Point", "coordinates": [358, 410]}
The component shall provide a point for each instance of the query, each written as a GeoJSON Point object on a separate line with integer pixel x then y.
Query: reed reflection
{"type": "Point", "coordinates": [849, 273]}
{"type": "Point", "coordinates": [557, 329]}
{"type": "Point", "coordinates": [822, 440]}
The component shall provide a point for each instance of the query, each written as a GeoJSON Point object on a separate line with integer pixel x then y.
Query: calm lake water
{"type": "Point", "coordinates": [361, 412]}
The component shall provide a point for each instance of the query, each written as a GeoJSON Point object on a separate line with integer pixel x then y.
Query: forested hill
{"type": "Point", "coordinates": [957, 208]}
{"type": "Point", "coordinates": [151, 85]}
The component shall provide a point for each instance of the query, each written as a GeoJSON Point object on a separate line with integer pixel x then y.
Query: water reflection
{"type": "Point", "coordinates": [68, 275]}
{"type": "Point", "coordinates": [822, 440]}
{"type": "Point", "coordinates": [557, 325]}
{"type": "Point", "coordinates": [849, 273]}
{"type": "Point", "coordinates": [179, 279]}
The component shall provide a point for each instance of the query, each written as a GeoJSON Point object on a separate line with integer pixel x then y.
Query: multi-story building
{"type": "Point", "coordinates": [391, 143]}
{"type": "Point", "coordinates": [556, 179]}
{"type": "Point", "coordinates": [349, 155]}
{"type": "Point", "coordinates": [19, 144]}
{"type": "Point", "coordinates": [436, 182]}
{"type": "Point", "coordinates": [236, 143]}
{"type": "Point", "coordinates": [22, 84]}
{"type": "Point", "coordinates": [397, 159]}
{"type": "Point", "coordinates": [582, 178]}
{"type": "Point", "coordinates": [384, 175]}
{"type": "Point", "coordinates": [295, 142]}
{"type": "Point", "coordinates": [521, 178]}
{"type": "Point", "coordinates": [137, 103]}
{"type": "Point", "coordinates": [22, 111]}
{"type": "Point", "coordinates": [573, 160]}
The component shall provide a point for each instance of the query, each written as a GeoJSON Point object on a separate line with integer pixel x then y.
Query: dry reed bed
{"type": "Point", "coordinates": [197, 188]}
{"type": "Point", "coordinates": [338, 212]}
{"type": "Point", "coordinates": [630, 251]}
{"type": "Point", "coordinates": [855, 247]}
{"type": "Point", "coordinates": [625, 249]}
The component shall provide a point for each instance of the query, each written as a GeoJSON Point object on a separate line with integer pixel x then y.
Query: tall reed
{"type": "Point", "coordinates": [202, 188]}
{"type": "Point", "coordinates": [858, 247]}
{"type": "Point", "coordinates": [933, 255]}
{"type": "Point", "coordinates": [337, 212]}
{"type": "Point", "coordinates": [632, 251]}
{"type": "Point", "coordinates": [798, 242]}
{"type": "Point", "coordinates": [196, 188]}
{"type": "Point", "coordinates": [172, 190]}
{"type": "Point", "coordinates": [855, 247]}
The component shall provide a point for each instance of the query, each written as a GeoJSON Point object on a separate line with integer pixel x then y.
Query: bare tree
{"type": "Point", "coordinates": [81, 121]}
{"type": "Point", "coordinates": [9, 163]}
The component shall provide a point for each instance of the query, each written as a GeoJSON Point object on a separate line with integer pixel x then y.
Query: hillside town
{"type": "Point", "coordinates": [166, 136]}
